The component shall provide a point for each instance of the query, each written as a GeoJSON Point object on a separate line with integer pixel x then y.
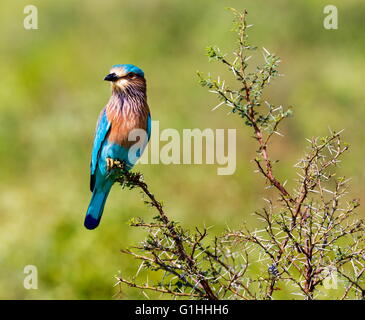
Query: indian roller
{"type": "Point", "coordinates": [126, 113]}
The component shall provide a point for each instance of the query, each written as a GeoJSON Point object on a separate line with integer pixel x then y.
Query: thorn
{"type": "Point", "coordinates": [217, 106]}
{"type": "Point", "coordinates": [266, 51]}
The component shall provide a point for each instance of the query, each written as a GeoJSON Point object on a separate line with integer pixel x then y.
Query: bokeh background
{"type": "Point", "coordinates": [51, 92]}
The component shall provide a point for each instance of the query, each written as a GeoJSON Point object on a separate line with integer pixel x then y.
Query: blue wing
{"type": "Point", "coordinates": [102, 129]}
{"type": "Point", "coordinates": [149, 124]}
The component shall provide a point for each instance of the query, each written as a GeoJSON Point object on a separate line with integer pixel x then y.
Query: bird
{"type": "Point", "coordinates": [126, 112]}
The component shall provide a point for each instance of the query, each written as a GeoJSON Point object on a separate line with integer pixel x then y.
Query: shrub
{"type": "Point", "coordinates": [310, 238]}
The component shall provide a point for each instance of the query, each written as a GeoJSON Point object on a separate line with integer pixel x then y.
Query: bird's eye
{"type": "Point", "coordinates": [131, 75]}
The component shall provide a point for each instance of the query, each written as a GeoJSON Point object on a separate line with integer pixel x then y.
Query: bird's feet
{"type": "Point", "coordinates": [109, 163]}
{"type": "Point", "coordinates": [112, 163]}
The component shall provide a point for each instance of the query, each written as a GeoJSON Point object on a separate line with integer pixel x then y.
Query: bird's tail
{"type": "Point", "coordinates": [96, 208]}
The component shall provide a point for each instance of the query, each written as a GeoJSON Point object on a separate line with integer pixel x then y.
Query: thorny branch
{"type": "Point", "coordinates": [310, 240]}
{"type": "Point", "coordinates": [132, 180]}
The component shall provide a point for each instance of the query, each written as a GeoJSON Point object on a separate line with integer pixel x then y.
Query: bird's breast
{"type": "Point", "coordinates": [123, 121]}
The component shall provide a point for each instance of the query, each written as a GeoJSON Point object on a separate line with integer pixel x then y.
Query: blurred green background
{"type": "Point", "coordinates": [51, 92]}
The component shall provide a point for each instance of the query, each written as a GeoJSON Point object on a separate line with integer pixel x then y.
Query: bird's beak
{"type": "Point", "coordinates": [111, 77]}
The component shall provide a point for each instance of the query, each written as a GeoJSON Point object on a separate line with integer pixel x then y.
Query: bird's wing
{"type": "Point", "coordinates": [149, 125]}
{"type": "Point", "coordinates": [102, 129]}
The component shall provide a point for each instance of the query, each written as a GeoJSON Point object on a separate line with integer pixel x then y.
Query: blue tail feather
{"type": "Point", "coordinates": [96, 208]}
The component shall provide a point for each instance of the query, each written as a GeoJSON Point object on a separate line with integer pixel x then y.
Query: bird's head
{"type": "Point", "coordinates": [124, 77]}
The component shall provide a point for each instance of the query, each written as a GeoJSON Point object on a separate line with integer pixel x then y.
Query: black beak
{"type": "Point", "coordinates": [111, 77]}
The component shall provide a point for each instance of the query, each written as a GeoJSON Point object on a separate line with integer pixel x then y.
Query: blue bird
{"type": "Point", "coordinates": [125, 118]}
